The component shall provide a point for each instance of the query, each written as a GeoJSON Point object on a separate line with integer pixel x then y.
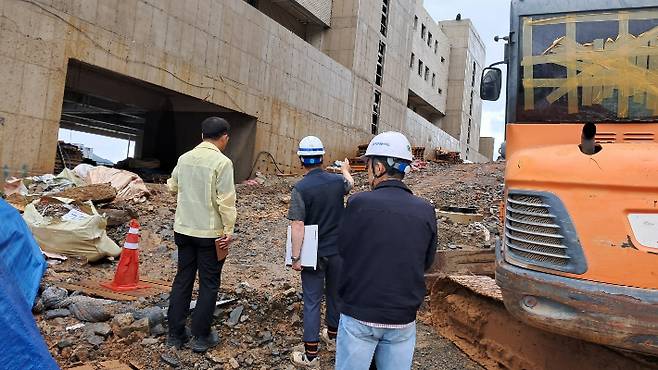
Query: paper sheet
{"type": "Point", "coordinates": [309, 247]}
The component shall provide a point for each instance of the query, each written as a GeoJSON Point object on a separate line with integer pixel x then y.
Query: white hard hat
{"type": "Point", "coordinates": [390, 144]}
{"type": "Point", "coordinates": [310, 146]}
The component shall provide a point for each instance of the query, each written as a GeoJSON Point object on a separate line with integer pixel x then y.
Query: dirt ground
{"type": "Point", "coordinates": [270, 294]}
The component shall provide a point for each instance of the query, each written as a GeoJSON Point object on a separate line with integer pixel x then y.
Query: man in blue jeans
{"type": "Point", "coordinates": [318, 199]}
{"type": "Point", "coordinates": [387, 240]}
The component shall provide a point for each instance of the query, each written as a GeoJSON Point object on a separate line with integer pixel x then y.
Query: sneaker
{"type": "Point", "coordinates": [178, 341]}
{"type": "Point", "coordinates": [202, 344]}
{"type": "Point", "coordinates": [330, 344]}
{"type": "Point", "coordinates": [299, 359]}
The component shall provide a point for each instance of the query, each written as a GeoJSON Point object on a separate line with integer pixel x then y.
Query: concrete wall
{"type": "Point", "coordinates": [319, 8]}
{"type": "Point", "coordinates": [487, 147]}
{"type": "Point", "coordinates": [224, 52]}
{"type": "Point", "coordinates": [426, 134]}
{"type": "Point", "coordinates": [431, 59]}
{"type": "Point", "coordinates": [241, 60]}
{"type": "Point", "coordinates": [466, 49]}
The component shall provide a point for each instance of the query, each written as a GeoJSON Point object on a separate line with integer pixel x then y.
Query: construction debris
{"type": "Point", "coordinates": [457, 262]}
{"type": "Point", "coordinates": [69, 228]}
{"type": "Point", "coordinates": [259, 313]}
{"type": "Point", "coordinates": [68, 155]}
{"type": "Point", "coordinates": [128, 185]}
{"type": "Point", "coordinates": [418, 153]}
{"type": "Point", "coordinates": [462, 215]}
{"type": "Point", "coordinates": [97, 193]}
{"type": "Point", "coordinates": [443, 156]}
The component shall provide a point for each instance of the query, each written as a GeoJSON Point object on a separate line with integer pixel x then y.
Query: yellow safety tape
{"type": "Point", "coordinates": [628, 64]}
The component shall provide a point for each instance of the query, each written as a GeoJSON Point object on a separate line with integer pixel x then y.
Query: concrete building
{"type": "Point", "coordinates": [464, 107]}
{"type": "Point", "coordinates": [487, 147]}
{"type": "Point", "coordinates": [428, 67]}
{"type": "Point", "coordinates": [150, 70]}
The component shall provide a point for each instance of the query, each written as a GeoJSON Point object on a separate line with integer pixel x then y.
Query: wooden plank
{"type": "Point", "coordinates": [114, 365]}
{"type": "Point", "coordinates": [97, 292]}
{"type": "Point", "coordinates": [106, 365]}
{"type": "Point", "coordinates": [456, 262]}
{"type": "Point", "coordinates": [164, 284]}
{"type": "Point", "coordinates": [94, 288]}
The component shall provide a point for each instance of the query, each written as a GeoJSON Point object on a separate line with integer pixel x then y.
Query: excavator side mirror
{"type": "Point", "coordinates": [490, 86]}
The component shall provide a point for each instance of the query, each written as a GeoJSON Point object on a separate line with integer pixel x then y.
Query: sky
{"type": "Point", "coordinates": [106, 147]}
{"type": "Point", "coordinates": [491, 18]}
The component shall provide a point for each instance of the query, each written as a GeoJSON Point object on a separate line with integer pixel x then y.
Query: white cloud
{"type": "Point", "coordinates": [493, 125]}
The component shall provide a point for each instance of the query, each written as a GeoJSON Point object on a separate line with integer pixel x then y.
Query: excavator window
{"type": "Point", "coordinates": [589, 67]}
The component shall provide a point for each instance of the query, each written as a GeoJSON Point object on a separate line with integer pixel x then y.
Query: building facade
{"type": "Point", "coordinates": [464, 107]}
{"type": "Point", "coordinates": [150, 70]}
{"type": "Point", "coordinates": [487, 147]}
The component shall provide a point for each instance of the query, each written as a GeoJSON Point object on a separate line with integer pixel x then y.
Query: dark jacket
{"type": "Point", "coordinates": [388, 239]}
{"type": "Point", "coordinates": [323, 195]}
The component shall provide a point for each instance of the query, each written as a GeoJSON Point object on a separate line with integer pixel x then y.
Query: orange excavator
{"type": "Point", "coordinates": [579, 252]}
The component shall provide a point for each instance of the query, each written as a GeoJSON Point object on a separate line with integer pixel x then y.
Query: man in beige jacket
{"type": "Point", "coordinates": [205, 216]}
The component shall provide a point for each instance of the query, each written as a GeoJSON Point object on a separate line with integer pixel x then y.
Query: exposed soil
{"type": "Point", "coordinates": [254, 275]}
{"type": "Point", "coordinates": [97, 193]}
{"type": "Point", "coordinates": [476, 320]}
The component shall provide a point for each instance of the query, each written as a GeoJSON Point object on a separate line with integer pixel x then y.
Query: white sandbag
{"type": "Point", "coordinates": [81, 232]}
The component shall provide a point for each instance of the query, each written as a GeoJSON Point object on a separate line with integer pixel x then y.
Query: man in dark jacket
{"type": "Point", "coordinates": [318, 199]}
{"type": "Point", "coordinates": [387, 240]}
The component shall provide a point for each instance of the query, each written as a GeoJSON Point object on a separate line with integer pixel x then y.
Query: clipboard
{"type": "Point", "coordinates": [309, 256]}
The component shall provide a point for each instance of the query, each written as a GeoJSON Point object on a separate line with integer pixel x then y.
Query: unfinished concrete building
{"type": "Point", "coordinates": [464, 107]}
{"type": "Point", "coordinates": [150, 70]}
{"type": "Point", "coordinates": [487, 147]}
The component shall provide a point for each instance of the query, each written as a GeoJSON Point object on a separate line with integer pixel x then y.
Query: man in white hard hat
{"type": "Point", "coordinates": [318, 199]}
{"type": "Point", "coordinates": [387, 240]}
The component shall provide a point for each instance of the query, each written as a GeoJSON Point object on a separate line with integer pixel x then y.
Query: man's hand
{"type": "Point", "coordinates": [345, 166]}
{"type": "Point", "coordinates": [297, 266]}
{"type": "Point", "coordinates": [225, 241]}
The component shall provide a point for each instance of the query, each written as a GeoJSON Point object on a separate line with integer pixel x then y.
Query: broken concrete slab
{"type": "Point", "coordinates": [89, 311]}
{"type": "Point", "coordinates": [234, 316]}
{"type": "Point", "coordinates": [59, 312]}
{"type": "Point", "coordinates": [140, 326]}
{"type": "Point", "coordinates": [121, 324]}
{"type": "Point", "coordinates": [100, 328]}
{"type": "Point", "coordinates": [95, 340]}
{"type": "Point", "coordinates": [149, 341]}
{"type": "Point", "coordinates": [53, 297]}
{"type": "Point", "coordinates": [460, 215]}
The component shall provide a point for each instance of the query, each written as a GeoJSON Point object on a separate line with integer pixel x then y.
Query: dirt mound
{"type": "Point", "coordinates": [270, 324]}
{"type": "Point", "coordinates": [481, 327]}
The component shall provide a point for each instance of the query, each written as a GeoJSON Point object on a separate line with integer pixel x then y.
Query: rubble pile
{"type": "Point", "coordinates": [465, 185]}
{"type": "Point", "coordinates": [96, 193]}
{"type": "Point", "coordinates": [259, 308]}
{"type": "Point", "coordinates": [68, 155]}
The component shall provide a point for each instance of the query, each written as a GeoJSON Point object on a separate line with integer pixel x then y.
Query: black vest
{"type": "Point", "coordinates": [323, 194]}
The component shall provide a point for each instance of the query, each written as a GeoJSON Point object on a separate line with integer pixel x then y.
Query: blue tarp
{"type": "Point", "coordinates": [21, 267]}
{"type": "Point", "coordinates": [20, 253]}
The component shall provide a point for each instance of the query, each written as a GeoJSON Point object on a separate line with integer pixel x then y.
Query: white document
{"type": "Point", "coordinates": [309, 256]}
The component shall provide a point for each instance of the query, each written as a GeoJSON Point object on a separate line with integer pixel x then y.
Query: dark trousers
{"type": "Point", "coordinates": [313, 286]}
{"type": "Point", "coordinates": [194, 254]}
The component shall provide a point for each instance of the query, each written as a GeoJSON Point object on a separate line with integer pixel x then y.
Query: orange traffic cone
{"type": "Point", "coordinates": [127, 274]}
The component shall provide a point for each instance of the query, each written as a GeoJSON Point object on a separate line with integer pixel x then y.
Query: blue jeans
{"type": "Point", "coordinates": [393, 349]}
